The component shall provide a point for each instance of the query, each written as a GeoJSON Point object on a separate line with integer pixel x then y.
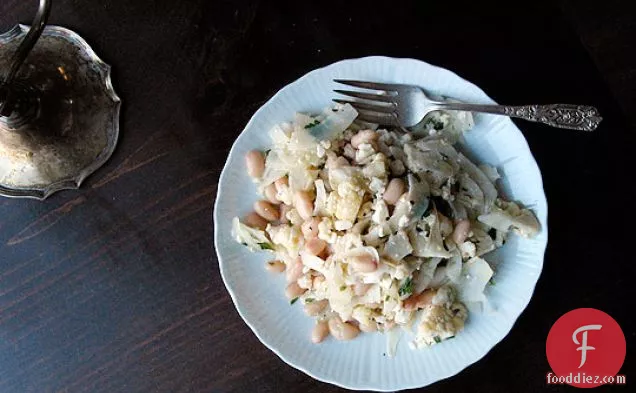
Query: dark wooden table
{"type": "Point", "coordinates": [116, 288]}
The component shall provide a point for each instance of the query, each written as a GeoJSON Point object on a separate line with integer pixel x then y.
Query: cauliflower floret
{"type": "Point", "coordinates": [377, 167]}
{"type": "Point", "coordinates": [325, 231]}
{"type": "Point", "coordinates": [286, 236]}
{"type": "Point", "coordinates": [440, 323]}
{"type": "Point", "coordinates": [348, 202]}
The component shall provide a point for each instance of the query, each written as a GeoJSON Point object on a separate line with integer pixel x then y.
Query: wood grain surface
{"type": "Point", "coordinates": [116, 287]}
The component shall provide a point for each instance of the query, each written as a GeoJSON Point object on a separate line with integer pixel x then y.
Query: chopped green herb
{"type": "Point", "coordinates": [450, 337]}
{"type": "Point", "coordinates": [437, 125]}
{"type": "Point", "coordinates": [386, 299]}
{"type": "Point", "coordinates": [309, 300]}
{"type": "Point", "coordinates": [294, 300]}
{"type": "Point", "coordinates": [492, 282]}
{"type": "Point", "coordinates": [343, 287]}
{"type": "Point", "coordinates": [406, 288]}
{"type": "Point", "coordinates": [266, 246]}
{"type": "Point", "coordinates": [312, 124]}
{"type": "Point", "coordinates": [245, 244]}
{"type": "Point", "coordinates": [437, 339]}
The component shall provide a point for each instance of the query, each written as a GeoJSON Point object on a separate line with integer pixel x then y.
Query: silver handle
{"type": "Point", "coordinates": [575, 117]}
{"type": "Point", "coordinates": [6, 96]}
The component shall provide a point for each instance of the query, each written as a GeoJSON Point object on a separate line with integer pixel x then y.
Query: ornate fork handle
{"type": "Point", "coordinates": [575, 117]}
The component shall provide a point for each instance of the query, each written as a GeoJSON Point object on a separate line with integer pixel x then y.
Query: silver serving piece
{"type": "Point", "coordinates": [406, 106]}
{"type": "Point", "coordinates": [59, 114]}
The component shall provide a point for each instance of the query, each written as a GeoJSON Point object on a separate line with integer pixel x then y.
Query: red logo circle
{"type": "Point", "coordinates": [585, 348]}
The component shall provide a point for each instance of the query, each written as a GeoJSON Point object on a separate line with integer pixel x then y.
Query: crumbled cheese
{"type": "Point", "coordinates": [468, 249]}
{"type": "Point", "coordinates": [342, 225]}
{"type": "Point", "coordinates": [380, 212]}
{"type": "Point", "coordinates": [349, 151]}
{"type": "Point", "coordinates": [364, 153]}
{"type": "Point", "coordinates": [325, 231]}
{"type": "Point", "coordinates": [377, 186]}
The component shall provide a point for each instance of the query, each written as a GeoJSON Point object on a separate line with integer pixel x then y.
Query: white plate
{"type": "Point", "coordinates": [361, 364]}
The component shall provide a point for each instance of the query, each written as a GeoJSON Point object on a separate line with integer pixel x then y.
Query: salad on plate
{"type": "Point", "coordinates": [378, 229]}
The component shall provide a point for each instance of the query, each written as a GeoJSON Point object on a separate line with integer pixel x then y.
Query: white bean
{"type": "Point", "coordinates": [320, 332]}
{"type": "Point", "coordinates": [281, 184]}
{"type": "Point", "coordinates": [364, 136]}
{"type": "Point", "coordinates": [255, 163]}
{"type": "Point", "coordinates": [418, 301]}
{"type": "Point", "coordinates": [266, 210]}
{"type": "Point", "coordinates": [270, 193]}
{"type": "Point", "coordinates": [294, 271]}
{"type": "Point", "coordinates": [316, 307]}
{"type": "Point", "coordinates": [293, 291]}
{"type": "Point", "coordinates": [342, 330]}
{"type": "Point", "coordinates": [253, 220]}
{"type": "Point", "coordinates": [310, 228]}
{"type": "Point", "coordinates": [460, 233]}
{"type": "Point", "coordinates": [315, 246]}
{"type": "Point", "coordinates": [304, 204]}
{"type": "Point", "coordinates": [275, 266]}
{"type": "Point", "coordinates": [363, 263]}
{"type": "Point", "coordinates": [394, 191]}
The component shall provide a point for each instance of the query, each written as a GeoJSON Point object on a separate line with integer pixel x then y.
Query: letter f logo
{"type": "Point", "coordinates": [584, 347]}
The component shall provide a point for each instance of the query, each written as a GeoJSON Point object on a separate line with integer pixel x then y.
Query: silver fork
{"type": "Point", "coordinates": [406, 106]}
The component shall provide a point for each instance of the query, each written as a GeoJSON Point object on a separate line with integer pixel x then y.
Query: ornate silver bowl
{"type": "Point", "coordinates": [60, 114]}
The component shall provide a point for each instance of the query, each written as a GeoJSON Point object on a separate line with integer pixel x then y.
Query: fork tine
{"type": "Point", "coordinates": [369, 85]}
{"type": "Point", "coordinates": [379, 118]}
{"type": "Point", "coordinates": [365, 96]}
{"type": "Point", "coordinates": [369, 107]}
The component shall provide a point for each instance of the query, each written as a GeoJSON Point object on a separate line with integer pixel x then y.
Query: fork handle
{"type": "Point", "coordinates": [575, 117]}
